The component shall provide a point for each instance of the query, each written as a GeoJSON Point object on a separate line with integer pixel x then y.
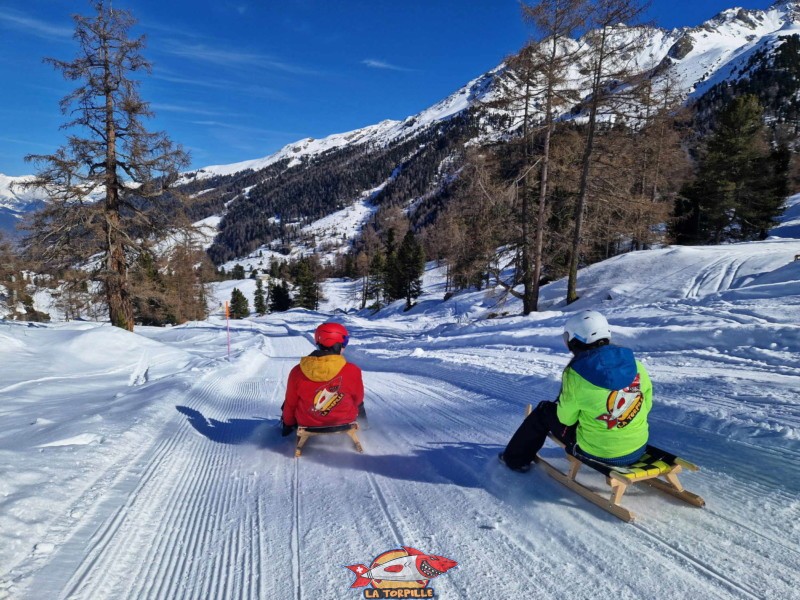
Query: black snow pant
{"type": "Point", "coordinates": [531, 435]}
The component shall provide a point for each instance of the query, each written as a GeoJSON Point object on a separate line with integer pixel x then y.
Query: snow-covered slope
{"type": "Point", "coordinates": [705, 55]}
{"type": "Point", "coordinates": [149, 465]}
{"type": "Point", "coordinates": [698, 56]}
{"type": "Point", "coordinates": [691, 59]}
{"type": "Point", "coordinates": [15, 201]}
{"type": "Point", "coordinates": [695, 57]}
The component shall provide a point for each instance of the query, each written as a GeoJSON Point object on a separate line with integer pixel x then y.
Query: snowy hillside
{"type": "Point", "coordinates": [15, 202]}
{"type": "Point", "coordinates": [149, 465]}
{"type": "Point", "coordinates": [698, 56]}
{"type": "Point", "coordinates": [692, 60]}
{"type": "Point", "coordinates": [716, 50]}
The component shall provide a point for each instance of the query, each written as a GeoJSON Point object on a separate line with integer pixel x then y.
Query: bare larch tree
{"type": "Point", "coordinates": [612, 48]}
{"type": "Point", "coordinates": [106, 185]}
{"type": "Point", "coordinates": [557, 22]}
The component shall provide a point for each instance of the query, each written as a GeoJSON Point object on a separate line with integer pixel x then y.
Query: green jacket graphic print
{"type": "Point", "coordinates": [608, 393]}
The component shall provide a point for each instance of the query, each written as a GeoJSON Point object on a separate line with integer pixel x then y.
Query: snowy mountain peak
{"type": "Point", "coordinates": [382, 133]}
{"type": "Point", "coordinates": [707, 47]}
{"type": "Point", "coordinates": [15, 201]}
{"type": "Point", "coordinates": [13, 196]}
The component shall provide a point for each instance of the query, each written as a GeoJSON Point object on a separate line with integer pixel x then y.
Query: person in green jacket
{"type": "Point", "coordinates": [601, 411]}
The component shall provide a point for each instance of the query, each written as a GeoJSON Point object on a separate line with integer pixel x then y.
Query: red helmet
{"type": "Point", "coordinates": [330, 334]}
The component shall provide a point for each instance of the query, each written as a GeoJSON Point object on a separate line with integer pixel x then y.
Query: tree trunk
{"type": "Point", "coordinates": [544, 178]}
{"type": "Point", "coordinates": [528, 300]}
{"type": "Point", "coordinates": [120, 308]}
{"type": "Point", "coordinates": [583, 194]}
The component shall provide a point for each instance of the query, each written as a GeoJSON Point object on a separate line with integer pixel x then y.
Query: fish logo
{"type": "Point", "coordinates": [328, 396]}
{"type": "Point", "coordinates": [405, 569]}
{"type": "Point", "coordinates": [623, 405]}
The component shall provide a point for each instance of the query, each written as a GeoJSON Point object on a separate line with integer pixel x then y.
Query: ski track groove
{"type": "Point", "coordinates": [187, 530]}
{"type": "Point", "coordinates": [256, 548]}
{"type": "Point", "coordinates": [699, 565]}
{"type": "Point", "coordinates": [517, 545]}
{"type": "Point", "coordinates": [189, 520]}
{"type": "Point", "coordinates": [101, 540]}
{"type": "Point", "coordinates": [446, 403]}
{"type": "Point", "coordinates": [148, 501]}
{"type": "Point", "coordinates": [223, 558]}
{"type": "Point", "coordinates": [164, 575]}
{"type": "Point", "coordinates": [758, 534]}
{"type": "Point", "coordinates": [296, 532]}
{"type": "Point", "coordinates": [233, 546]}
{"type": "Point", "coordinates": [180, 489]}
{"type": "Point", "coordinates": [382, 503]}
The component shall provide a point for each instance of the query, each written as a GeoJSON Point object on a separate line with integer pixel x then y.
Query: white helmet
{"type": "Point", "coordinates": [587, 326]}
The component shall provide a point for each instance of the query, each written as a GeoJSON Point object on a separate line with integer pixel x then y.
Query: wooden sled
{"type": "Point", "coordinates": [657, 468]}
{"type": "Point", "coordinates": [304, 433]}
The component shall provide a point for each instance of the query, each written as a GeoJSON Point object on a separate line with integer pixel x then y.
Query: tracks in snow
{"type": "Point", "coordinates": [216, 507]}
{"type": "Point", "coordinates": [185, 520]}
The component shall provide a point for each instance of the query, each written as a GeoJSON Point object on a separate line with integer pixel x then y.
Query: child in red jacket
{"type": "Point", "coordinates": [324, 390]}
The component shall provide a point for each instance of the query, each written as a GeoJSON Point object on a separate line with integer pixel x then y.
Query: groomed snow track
{"type": "Point", "coordinates": [215, 506]}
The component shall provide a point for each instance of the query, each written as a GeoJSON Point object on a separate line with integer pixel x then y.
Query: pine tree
{"type": "Point", "coordinates": [150, 304]}
{"type": "Point", "coordinates": [362, 263]}
{"type": "Point", "coordinates": [476, 222]}
{"type": "Point", "coordinates": [308, 287]}
{"type": "Point", "coordinates": [240, 307]}
{"type": "Point", "coordinates": [280, 298]}
{"type": "Point", "coordinates": [259, 301]}
{"type": "Point", "coordinates": [535, 86]}
{"type": "Point", "coordinates": [410, 266]}
{"type": "Point", "coordinates": [73, 297]}
{"type": "Point", "coordinates": [609, 56]}
{"type": "Point", "coordinates": [759, 218]}
{"type": "Point", "coordinates": [12, 283]}
{"type": "Point", "coordinates": [237, 272]}
{"type": "Point", "coordinates": [189, 270]}
{"type": "Point", "coordinates": [112, 155]}
{"type": "Point", "coordinates": [740, 184]}
{"type": "Point", "coordinates": [392, 286]}
{"type": "Point", "coordinates": [376, 278]}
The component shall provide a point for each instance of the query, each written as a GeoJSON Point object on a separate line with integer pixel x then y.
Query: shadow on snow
{"type": "Point", "coordinates": [257, 432]}
{"type": "Point", "coordinates": [462, 464]}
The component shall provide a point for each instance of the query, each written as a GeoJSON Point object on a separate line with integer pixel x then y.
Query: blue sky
{"type": "Point", "coordinates": [236, 80]}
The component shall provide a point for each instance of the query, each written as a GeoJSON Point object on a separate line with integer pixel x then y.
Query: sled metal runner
{"type": "Point", "coordinates": [657, 468]}
{"type": "Point", "coordinates": [304, 433]}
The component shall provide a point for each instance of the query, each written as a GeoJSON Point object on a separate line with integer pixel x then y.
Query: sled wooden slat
{"type": "Point", "coordinates": [305, 433]}
{"type": "Point", "coordinates": [657, 468]}
{"type": "Point", "coordinates": [608, 505]}
{"type": "Point", "coordinates": [686, 464]}
{"type": "Point", "coordinates": [685, 495]}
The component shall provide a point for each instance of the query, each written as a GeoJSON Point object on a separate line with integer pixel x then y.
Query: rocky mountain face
{"type": "Point", "coordinates": [270, 203]}
{"type": "Point", "coordinates": [265, 204]}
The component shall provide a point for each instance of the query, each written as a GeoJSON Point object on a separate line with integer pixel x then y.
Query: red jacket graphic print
{"type": "Point", "coordinates": [323, 391]}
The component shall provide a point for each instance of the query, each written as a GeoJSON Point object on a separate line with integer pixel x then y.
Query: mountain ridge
{"type": "Point", "coordinates": [699, 58]}
{"type": "Point", "coordinates": [265, 191]}
{"type": "Point", "coordinates": [770, 21]}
